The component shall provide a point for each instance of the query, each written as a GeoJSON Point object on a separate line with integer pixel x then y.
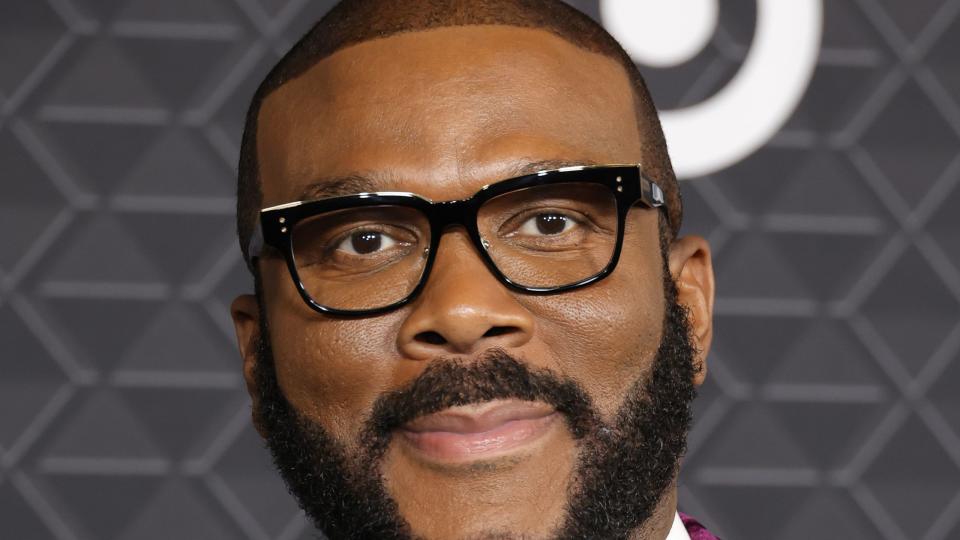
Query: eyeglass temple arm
{"type": "Point", "coordinates": [650, 192]}
{"type": "Point", "coordinates": [255, 246]}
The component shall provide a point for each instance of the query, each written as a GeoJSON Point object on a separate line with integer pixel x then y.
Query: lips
{"type": "Point", "coordinates": [475, 432]}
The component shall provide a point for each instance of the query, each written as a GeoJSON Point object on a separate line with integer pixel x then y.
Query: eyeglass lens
{"type": "Point", "coordinates": [540, 237]}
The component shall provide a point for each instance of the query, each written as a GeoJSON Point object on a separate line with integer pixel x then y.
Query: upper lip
{"type": "Point", "coordinates": [479, 418]}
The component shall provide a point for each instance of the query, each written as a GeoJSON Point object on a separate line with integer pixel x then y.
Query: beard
{"type": "Point", "coordinates": [623, 470]}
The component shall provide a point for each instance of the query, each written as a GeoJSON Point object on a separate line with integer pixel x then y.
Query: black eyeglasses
{"type": "Point", "coordinates": [546, 232]}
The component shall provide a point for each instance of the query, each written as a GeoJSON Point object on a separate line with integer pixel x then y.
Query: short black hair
{"type": "Point", "coordinates": [355, 21]}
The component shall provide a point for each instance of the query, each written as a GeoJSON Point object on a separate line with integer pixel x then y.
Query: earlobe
{"type": "Point", "coordinates": [691, 266]}
{"type": "Point", "coordinates": [245, 311]}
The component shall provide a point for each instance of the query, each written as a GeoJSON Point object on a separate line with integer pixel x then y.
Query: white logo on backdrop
{"type": "Point", "coordinates": [745, 114]}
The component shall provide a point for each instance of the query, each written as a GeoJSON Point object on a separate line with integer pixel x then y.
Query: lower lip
{"type": "Point", "coordinates": [449, 447]}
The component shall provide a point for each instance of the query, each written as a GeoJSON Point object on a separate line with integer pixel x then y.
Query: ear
{"type": "Point", "coordinates": [692, 269]}
{"type": "Point", "coordinates": [245, 311]}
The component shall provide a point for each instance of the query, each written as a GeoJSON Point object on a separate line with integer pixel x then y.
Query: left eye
{"type": "Point", "coordinates": [547, 224]}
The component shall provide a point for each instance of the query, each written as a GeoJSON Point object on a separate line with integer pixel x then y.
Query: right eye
{"type": "Point", "coordinates": [366, 242]}
{"type": "Point", "coordinates": [356, 240]}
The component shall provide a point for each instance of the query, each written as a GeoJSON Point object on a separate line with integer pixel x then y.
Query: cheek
{"type": "Point", "coordinates": [330, 370]}
{"type": "Point", "coordinates": [605, 336]}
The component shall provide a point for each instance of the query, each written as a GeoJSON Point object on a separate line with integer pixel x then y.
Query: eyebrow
{"type": "Point", "coordinates": [524, 167]}
{"type": "Point", "coordinates": [337, 186]}
{"type": "Point", "coordinates": [352, 184]}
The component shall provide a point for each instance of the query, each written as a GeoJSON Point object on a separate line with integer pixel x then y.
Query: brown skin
{"type": "Point", "coordinates": [441, 113]}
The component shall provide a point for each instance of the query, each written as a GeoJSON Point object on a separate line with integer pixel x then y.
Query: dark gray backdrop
{"type": "Point", "coordinates": [831, 409]}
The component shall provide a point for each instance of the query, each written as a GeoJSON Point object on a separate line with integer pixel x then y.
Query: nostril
{"type": "Point", "coordinates": [431, 337]}
{"type": "Point", "coordinates": [500, 330]}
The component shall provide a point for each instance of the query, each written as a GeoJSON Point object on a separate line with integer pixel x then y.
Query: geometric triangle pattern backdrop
{"type": "Point", "coordinates": [832, 406]}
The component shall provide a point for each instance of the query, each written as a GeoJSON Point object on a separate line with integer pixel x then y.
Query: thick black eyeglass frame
{"type": "Point", "coordinates": [627, 183]}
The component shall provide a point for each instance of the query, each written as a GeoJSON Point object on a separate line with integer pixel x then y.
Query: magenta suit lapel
{"type": "Point", "coordinates": [695, 529]}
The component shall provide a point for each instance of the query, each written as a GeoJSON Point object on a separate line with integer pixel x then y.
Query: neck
{"type": "Point", "coordinates": [660, 522]}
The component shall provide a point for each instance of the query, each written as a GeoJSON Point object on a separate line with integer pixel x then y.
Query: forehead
{"type": "Point", "coordinates": [444, 111]}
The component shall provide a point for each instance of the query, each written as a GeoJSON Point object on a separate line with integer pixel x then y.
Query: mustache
{"type": "Point", "coordinates": [494, 375]}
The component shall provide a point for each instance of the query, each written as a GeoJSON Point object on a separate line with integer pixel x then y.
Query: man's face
{"type": "Point", "coordinates": [442, 113]}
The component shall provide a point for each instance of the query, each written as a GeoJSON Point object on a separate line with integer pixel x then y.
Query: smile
{"type": "Point", "coordinates": [478, 432]}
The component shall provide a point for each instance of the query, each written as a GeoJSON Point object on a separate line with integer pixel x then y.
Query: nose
{"type": "Point", "coordinates": [463, 309]}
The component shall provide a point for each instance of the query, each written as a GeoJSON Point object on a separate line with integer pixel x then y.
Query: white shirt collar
{"type": "Point", "coordinates": [677, 531]}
